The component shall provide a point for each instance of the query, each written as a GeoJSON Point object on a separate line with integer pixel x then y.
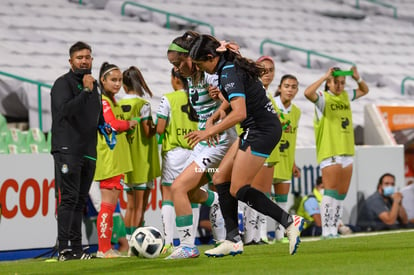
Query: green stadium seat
{"type": "Point", "coordinates": [15, 140]}
{"type": "Point", "coordinates": [3, 124]}
{"type": "Point", "coordinates": [3, 146]}
{"type": "Point", "coordinates": [36, 141]}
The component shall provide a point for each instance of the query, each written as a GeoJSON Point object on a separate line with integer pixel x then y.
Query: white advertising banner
{"type": "Point", "coordinates": [27, 194]}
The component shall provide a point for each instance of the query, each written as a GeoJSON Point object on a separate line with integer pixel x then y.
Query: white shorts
{"type": "Point", "coordinates": [141, 186]}
{"type": "Point", "coordinates": [345, 161]}
{"type": "Point", "coordinates": [208, 158]}
{"type": "Point", "coordinates": [275, 181]}
{"type": "Point", "coordinates": [173, 163]}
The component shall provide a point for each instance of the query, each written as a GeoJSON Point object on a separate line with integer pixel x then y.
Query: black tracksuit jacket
{"type": "Point", "coordinates": [76, 115]}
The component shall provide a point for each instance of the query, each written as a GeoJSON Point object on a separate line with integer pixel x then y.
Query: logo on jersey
{"type": "Point", "coordinates": [269, 107]}
{"type": "Point", "coordinates": [206, 161]}
{"type": "Point", "coordinates": [340, 107]}
{"type": "Point", "coordinates": [284, 144]}
{"type": "Point", "coordinates": [229, 85]}
{"type": "Point", "coordinates": [194, 97]}
{"type": "Point", "coordinates": [344, 122]}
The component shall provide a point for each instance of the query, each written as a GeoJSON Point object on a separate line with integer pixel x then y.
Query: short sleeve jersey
{"type": "Point", "coordinates": [235, 82]}
{"type": "Point", "coordinates": [203, 104]}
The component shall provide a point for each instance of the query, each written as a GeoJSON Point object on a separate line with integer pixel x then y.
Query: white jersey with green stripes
{"type": "Point", "coordinates": [205, 106]}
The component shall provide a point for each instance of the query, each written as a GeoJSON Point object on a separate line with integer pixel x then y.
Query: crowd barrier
{"type": "Point", "coordinates": [27, 194]}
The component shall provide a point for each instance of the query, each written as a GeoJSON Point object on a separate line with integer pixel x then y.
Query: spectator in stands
{"type": "Point", "coordinates": [143, 148]}
{"type": "Point", "coordinates": [244, 92]}
{"type": "Point", "coordinates": [203, 159]}
{"type": "Point", "coordinates": [173, 117]}
{"type": "Point", "coordinates": [76, 115]}
{"type": "Point", "coordinates": [383, 209]}
{"type": "Point", "coordinates": [335, 144]}
{"type": "Point", "coordinates": [408, 201]}
{"type": "Point", "coordinates": [114, 159]}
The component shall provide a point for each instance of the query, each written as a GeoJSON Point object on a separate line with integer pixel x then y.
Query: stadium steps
{"type": "Point", "coordinates": [383, 54]}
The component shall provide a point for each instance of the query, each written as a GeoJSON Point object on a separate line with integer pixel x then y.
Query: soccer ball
{"type": "Point", "coordinates": [147, 242]}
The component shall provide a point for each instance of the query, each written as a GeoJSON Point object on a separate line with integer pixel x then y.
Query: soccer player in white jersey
{"type": "Point", "coordinates": [206, 156]}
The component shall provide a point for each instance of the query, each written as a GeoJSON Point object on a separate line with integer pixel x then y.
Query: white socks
{"type": "Point", "coordinates": [168, 221]}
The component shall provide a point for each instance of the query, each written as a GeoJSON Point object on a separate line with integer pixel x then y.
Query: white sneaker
{"type": "Point", "coordinates": [225, 248]}
{"type": "Point", "coordinates": [293, 233]}
{"type": "Point", "coordinates": [184, 252]}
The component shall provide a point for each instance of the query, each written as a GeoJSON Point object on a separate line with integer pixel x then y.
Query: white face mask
{"type": "Point", "coordinates": [388, 191]}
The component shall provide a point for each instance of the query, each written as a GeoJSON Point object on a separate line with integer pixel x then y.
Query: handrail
{"type": "Point", "coordinates": [308, 52]}
{"type": "Point", "coordinates": [39, 91]}
{"type": "Point", "coordinates": [168, 14]}
{"type": "Point", "coordinates": [403, 83]}
{"type": "Point", "coordinates": [386, 5]}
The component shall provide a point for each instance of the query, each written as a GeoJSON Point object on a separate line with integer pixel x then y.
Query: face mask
{"type": "Point", "coordinates": [81, 72]}
{"type": "Point", "coordinates": [388, 191]}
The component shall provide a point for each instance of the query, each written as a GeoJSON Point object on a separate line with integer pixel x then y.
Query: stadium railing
{"type": "Point", "coordinates": [39, 92]}
{"type": "Point", "coordinates": [403, 83]}
{"type": "Point", "coordinates": [168, 15]}
{"type": "Point", "coordinates": [380, 3]}
{"type": "Point", "coordinates": [308, 52]}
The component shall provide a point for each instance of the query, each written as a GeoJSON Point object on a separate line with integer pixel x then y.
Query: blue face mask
{"type": "Point", "coordinates": [388, 191]}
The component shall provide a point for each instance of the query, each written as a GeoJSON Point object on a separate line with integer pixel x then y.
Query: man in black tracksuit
{"type": "Point", "coordinates": [76, 115]}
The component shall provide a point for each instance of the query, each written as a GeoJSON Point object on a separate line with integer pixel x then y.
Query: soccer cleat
{"type": "Point", "coordinates": [65, 255]}
{"type": "Point", "coordinates": [293, 233]}
{"type": "Point", "coordinates": [111, 253]}
{"type": "Point", "coordinates": [225, 248]}
{"type": "Point", "coordinates": [184, 252]}
{"type": "Point", "coordinates": [167, 249]}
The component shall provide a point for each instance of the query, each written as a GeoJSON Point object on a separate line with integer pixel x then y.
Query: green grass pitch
{"type": "Point", "coordinates": [381, 253]}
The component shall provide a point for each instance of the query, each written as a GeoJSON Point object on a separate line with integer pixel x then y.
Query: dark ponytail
{"type": "Point", "coordinates": [205, 47]}
{"type": "Point", "coordinates": [134, 81]}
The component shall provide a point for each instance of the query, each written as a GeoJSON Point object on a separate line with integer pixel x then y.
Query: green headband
{"type": "Point", "coordinates": [174, 47]}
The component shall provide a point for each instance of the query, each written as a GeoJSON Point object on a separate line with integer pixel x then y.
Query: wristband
{"type": "Point", "coordinates": [360, 80]}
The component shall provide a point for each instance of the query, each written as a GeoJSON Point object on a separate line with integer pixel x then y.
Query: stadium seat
{"type": "Point", "coordinates": [3, 123]}
{"type": "Point", "coordinates": [383, 57]}
{"type": "Point", "coordinates": [36, 141]}
{"type": "Point", "coordinates": [16, 141]}
{"type": "Point", "coordinates": [3, 146]}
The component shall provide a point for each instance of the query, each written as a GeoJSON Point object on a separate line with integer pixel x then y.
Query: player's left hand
{"type": "Point", "coordinates": [195, 137]}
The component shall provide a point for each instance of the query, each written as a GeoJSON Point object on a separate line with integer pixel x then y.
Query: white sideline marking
{"type": "Point", "coordinates": [359, 234]}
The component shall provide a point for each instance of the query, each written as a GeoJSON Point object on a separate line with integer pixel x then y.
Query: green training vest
{"type": "Point", "coordinates": [144, 151]}
{"type": "Point", "coordinates": [110, 163]}
{"type": "Point", "coordinates": [334, 132]}
{"type": "Point", "coordinates": [287, 145]}
{"type": "Point", "coordinates": [301, 209]}
{"type": "Point", "coordinates": [178, 123]}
